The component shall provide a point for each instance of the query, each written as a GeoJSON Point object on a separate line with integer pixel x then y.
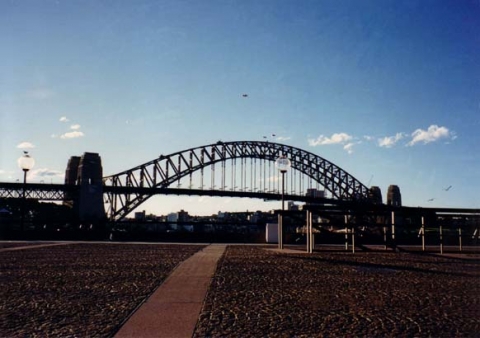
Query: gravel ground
{"type": "Point", "coordinates": [80, 290]}
{"type": "Point", "coordinates": [260, 293]}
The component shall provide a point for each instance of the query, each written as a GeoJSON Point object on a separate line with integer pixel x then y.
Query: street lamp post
{"type": "Point", "coordinates": [26, 162]}
{"type": "Point", "coordinates": [283, 164]}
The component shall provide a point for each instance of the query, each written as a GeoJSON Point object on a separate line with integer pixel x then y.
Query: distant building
{"type": "Point", "coordinates": [140, 216]}
{"type": "Point", "coordinates": [181, 216]}
{"type": "Point", "coordinates": [394, 197]}
{"type": "Point", "coordinates": [292, 206]}
{"type": "Point", "coordinates": [315, 193]}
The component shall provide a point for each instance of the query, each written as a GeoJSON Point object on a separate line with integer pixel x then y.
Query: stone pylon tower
{"type": "Point", "coordinates": [86, 172]}
{"type": "Point", "coordinates": [375, 195]}
{"type": "Point", "coordinates": [394, 197]}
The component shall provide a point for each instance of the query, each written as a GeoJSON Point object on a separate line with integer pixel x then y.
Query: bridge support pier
{"type": "Point", "coordinates": [86, 172]}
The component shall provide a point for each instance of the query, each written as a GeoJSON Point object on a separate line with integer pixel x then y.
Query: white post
{"type": "Point", "coordinates": [441, 239]}
{"type": "Point", "coordinates": [280, 239]}
{"type": "Point", "coordinates": [346, 232]}
{"type": "Point", "coordinates": [385, 237]}
{"type": "Point", "coordinates": [312, 238]}
{"type": "Point", "coordinates": [353, 238]}
{"type": "Point", "coordinates": [394, 244]}
{"type": "Point", "coordinates": [460, 237]}
{"type": "Point", "coordinates": [423, 233]}
{"type": "Point", "coordinates": [307, 231]}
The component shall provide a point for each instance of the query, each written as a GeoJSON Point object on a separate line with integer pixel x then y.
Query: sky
{"type": "Point", "coordinates": [388, 90]}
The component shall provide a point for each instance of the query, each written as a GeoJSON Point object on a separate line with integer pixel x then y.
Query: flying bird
{"type": "Point", "coordinates": [245, 95]}
{"type": "Point", "coordinates": [431, 199]}
{"type": "Point", "coordinates": [448, 188]}
{"type": "Point", "coordinates": [273, 135]}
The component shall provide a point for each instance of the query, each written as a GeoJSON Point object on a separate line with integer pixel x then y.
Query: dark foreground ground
{"type": "Point", "coordinates": [257, 293]}
{"type": "Point", "coordinates": [89, 290]}
{"type": "Point", "coordinates": [81, 290]}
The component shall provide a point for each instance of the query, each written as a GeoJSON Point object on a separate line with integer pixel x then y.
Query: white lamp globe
{"type": "Point", "coordinates": [26, 162]}
{"type": "Point", "coordinates": [283, 163]}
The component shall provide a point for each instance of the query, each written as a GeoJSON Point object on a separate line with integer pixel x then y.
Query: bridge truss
{"type": "Point", "coordinates": [38, 191]}
{"type": "Point", "coordinates": [238, 167]}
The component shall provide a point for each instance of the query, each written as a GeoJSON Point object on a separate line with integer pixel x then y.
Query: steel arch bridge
{"type": "Point", "coordinates": [241, 168]}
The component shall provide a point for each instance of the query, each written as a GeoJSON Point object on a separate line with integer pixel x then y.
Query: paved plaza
{"type": "Point", "coordinates": [120, 289]}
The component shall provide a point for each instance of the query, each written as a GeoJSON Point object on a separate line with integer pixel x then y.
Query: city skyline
{"type": "Point", "coordinates": [387, 90]}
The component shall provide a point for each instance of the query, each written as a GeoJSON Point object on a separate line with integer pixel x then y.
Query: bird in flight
{"type": "Point", "coordinates": [431, 199]}
{"type": "Point", "coordinates": [448, 188]}
{"type": "Point", "coordinates": [245, 95]}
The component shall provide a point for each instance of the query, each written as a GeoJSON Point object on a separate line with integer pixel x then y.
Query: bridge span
{"type": "Point", "coordinates": [224, 169]}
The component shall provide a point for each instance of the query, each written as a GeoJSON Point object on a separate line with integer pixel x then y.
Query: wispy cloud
{"type": "Point", "coordinates": [390, 141]}
{"type": "Point", "coordinates": [75, 126]}
{"type": "Point", "coordinates": [349, 147]}
{"type": "Point", "coordinates": [432, 134]}
{"type": "Point", "coordinates": [337, 138]}
{"type": "Point", "coordinates": [283, 138]}
{"type": "Point", "coordinates": [64, 119]}
{"type": "Point", "coordinates": [6, 173]}
{"type": "Point", "coordinates": [42, 173]}
{"type": "Point", "coordinates": [72, 134]}
{"type": "Point", "coordinates": [41, 93]}
{"type": "Point", "coordinates": [25, 145]}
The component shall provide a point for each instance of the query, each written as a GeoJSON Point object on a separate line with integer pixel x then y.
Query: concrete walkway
{"type": "Point", "coordinates": [14, 248]}
{"type": "Point", "coordinates": [173, 309]}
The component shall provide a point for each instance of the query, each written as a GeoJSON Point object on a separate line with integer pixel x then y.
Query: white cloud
{"type": "Point", "coordinates": [390, 141]}
{"type": "Point", "coordinates": [368, 137]}
{"type": "Point", "coordinates": [25, 145]}
{"type": "Point", "coordinates": [75, 126]}
{"type": "Point", "coordinates": [64, 119]}
{"type": "Point", "coordinates": [337, 138]}
{"type": "Point", "coordinates": [72, 134]}
{"type": "Point", "coordinates": [348, 147]}
{"type": "Point", "coordinates": [432, 134]}
{"type": "Point", "coordinates": [283, 138]}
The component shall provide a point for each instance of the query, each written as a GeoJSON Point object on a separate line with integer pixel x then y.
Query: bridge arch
{"type": "Point", "coordinates": [168, 169]}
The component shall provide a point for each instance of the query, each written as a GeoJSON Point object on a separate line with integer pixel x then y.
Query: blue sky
{"type": "Point", "coordinates": [387, 90]}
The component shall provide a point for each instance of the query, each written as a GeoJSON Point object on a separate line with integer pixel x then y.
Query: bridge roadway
{"type": "Point", "coordinates": [56, 192]}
